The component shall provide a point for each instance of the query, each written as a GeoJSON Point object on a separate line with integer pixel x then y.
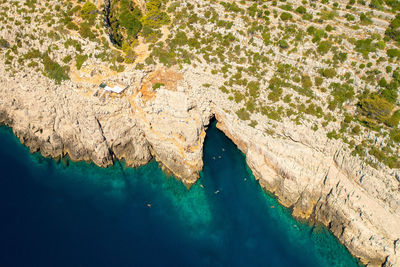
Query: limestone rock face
{"type": "Point", "coordinates": [360, 205]}
{"type": "Point", "coordinates": [95, 126]}
{"type": "Point", "coordinates": [315, 176]}
{"type": "Point", "coordinates": [56, 120]}
{"type": "Point", "coordinates": [174, 127]}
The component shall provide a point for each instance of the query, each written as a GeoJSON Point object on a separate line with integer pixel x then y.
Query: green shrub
{"type": "Point", "coordinates": [238, 96]}
{"type": "Point", "coordinates": [328, 15]}
{"type": "Point", "coordinates": [395, 135]}
{"type": "Point", "coordinates": [67, 59]}
{"type": "Point", "coordinates": [375, 107]}
{"type": "Point", "coordinates": [272, 113]}
{"type": "Point", "coordinates": [390, 91]}
{"type": "Point", "coordinates": [53, 70]}
{"type": "Point", "coordinates": [80, 59]}
{"type": "Point", "coordinates": [359, 150]}
{"type": "Point", "coordinates": [332, 135]}
{"type": "Point", "coordinates": [166, 57]}
{"type": "Point", "coordinates": [34, 53]}
{"type": "Point", "coordinates": [365, 47]}
{"type": "Point", "coordinates": [394, 120]}
{"type": "Point", "coordinates": [125, 21]}
{"type": "Point", "coordinates": [253, 123]}
{"type": "Point", "coordinates": [385, 158]}
{"type": "Point", "coordinates": [306, 81]}
{"type": "Point", "coordinates": [285, 16]}
{"type": "Point", "coordinates": [232, 7]}
{"type": "Point", "coordinates": [155, 17]}
{"type": "Point", "coordinates": [117, 68]}
{"type": "Point", "coordinates": [157, 86]}
{"type": "Point", "coordinates": [395, 5]}
{"type": "Point", "coordinates": [283, 44]}
{"type": "Point", "coordinates": [130, 56]}
{"type": "Point", "coordinates": [275, 95]}
{"type": "Point", "coordinates": [393, 31]}
{"type": "Point", "coordinates": [314, 110]}
{"type": "Point", "coordinates": [250, 106]}
{"type": "Point", "coordinates": [341, 57]}
{"type": "Point", "coordinates": [33, 64]}
{"type": "Point", "coordinates": [318, 81]}
{"type": "Point", "coordinates": [379, 154]}
{"type": "Point", "coordinates": [307, 16]}
{"type": "Point", "coordinates": [329, 28]}
{"type": "Point", "coordinates": [328, 72]}
{"type": "Point", "coordinates": [324, 47]}
{"type": "Point", "coordinates": [73, 43]}
{"type": "Point", "coordinates": [301, 10]}
{"type": "Point", "coordinates": [4, 43]}
{"type": "Point", "coordinates": [381, 45]}
{"type": "Point", "coordinates": [287, 7]}
{"type": "Point", "coordinates": [253, 88]}
{"type": "Point", "coordinates": [350, 17]}
{"type": "Point", "coordinates": [318, 34]}
{"type": "Point", "coordinates": [72, 25]}
{"type": "Point", "coordinates": [287, 98]}
{"type": "Point", "coordinates": [393, 53]}
{"type": "Point", "coordinates": [341, 93]}
{"type": "Point", "coordinates": [89, 12]}
{"type": "Point", "coordinates": [86, 32]}
{"type": "Point", "coordinates": [365, 20]}
{"type": "Point", "coordinates": [129, 20]}
{"type": "Point", "coordinates": [223, 89]}
{"type": "Point", "coordinates": [356, 129]}
{"type": "Point", "coordinates": [149, 60]}
{"type": "Point", "coordinates": [376, 4]}
{"type": "Point", "coordinates": [276, 90]}
{"type": "Point", "coordinates": [243, 114]}
{"type": "Point", "coordinates": [139, 66]}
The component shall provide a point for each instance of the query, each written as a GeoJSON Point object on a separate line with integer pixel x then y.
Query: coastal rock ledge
{"type": "Point", "coordinates": [317, 177]}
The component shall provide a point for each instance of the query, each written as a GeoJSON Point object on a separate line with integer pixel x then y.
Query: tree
{"type": "Point", "coordinates": [375, 107]}
{"type": "Point", "coordinates": [393, 31]}
{"type": "Point", "coordinates": [89, 12]}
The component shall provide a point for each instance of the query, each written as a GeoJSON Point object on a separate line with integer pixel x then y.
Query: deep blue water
{"type": "Point", "coordinates": [76, 214]}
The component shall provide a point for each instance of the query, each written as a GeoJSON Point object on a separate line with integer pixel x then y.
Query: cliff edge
{"type": "Point", "coordinates": [316, 177]}
{"type": "Point", "coordinates": [307, 91]}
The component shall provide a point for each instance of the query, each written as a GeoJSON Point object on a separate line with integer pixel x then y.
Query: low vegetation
{"type": "Point", "coordinates": [330, 66]}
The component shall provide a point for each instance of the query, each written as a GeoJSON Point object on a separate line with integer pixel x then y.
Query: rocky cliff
{"type": "Point", "coordinates": [321, 182]}
{"type": "Point", "coordinates": [313, 175]}
{"type": "Point", "coordinates": [314, 109]}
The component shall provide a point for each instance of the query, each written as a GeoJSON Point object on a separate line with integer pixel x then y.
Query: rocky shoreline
{"type": "Point", "coordinates": [329, 190]}
{"type": "Point", "coordinates": [315, 176]}
{"type": "Point", "coordinates": [308, 91]}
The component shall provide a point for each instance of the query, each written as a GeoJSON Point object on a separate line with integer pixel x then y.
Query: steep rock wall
{"type": "Point", "coordinates": [313, 175]}
{"type": "Point", "coordinates": [360, 205]}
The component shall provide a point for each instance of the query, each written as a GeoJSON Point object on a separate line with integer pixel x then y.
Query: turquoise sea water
{"type": "Point", "coordinates": [76, 214]}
